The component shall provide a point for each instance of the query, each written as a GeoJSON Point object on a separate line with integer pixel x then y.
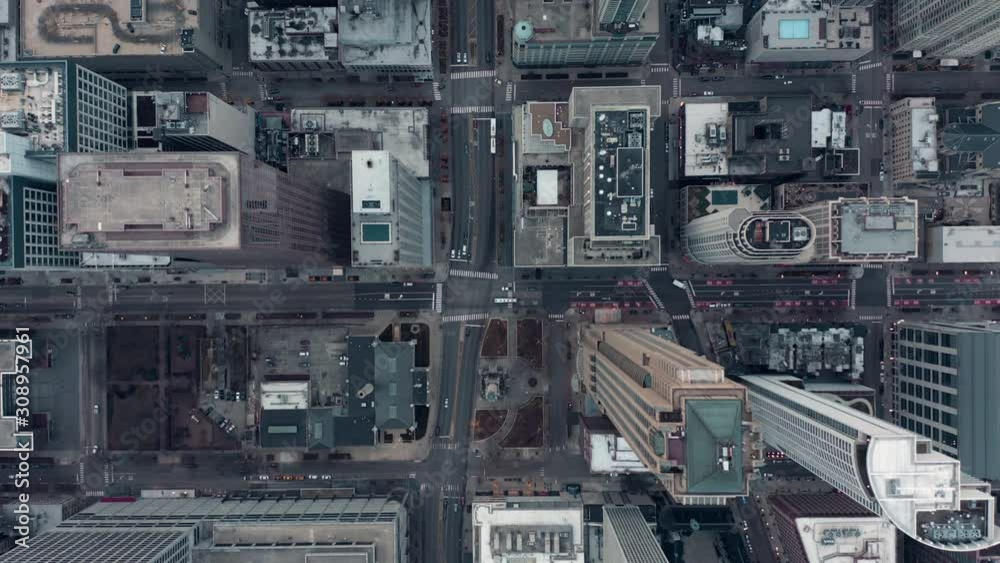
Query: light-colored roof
{"type": "Point", "coordinates": [703, 154]}
{"type": "Point", "coordinates": [830, 539]}
{"type": "Point", "coordinates": [977, 243]}
{"type": "Point", "coordinates": [497, 521]}
{"type": "Point", "coordinates": [371, 182]}
{"type": "Point", "coordinates": [284, 395]}
{"type": "Point", "coordinates": [610, 453]}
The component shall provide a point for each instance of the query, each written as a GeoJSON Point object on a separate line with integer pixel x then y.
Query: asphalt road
{"type": "Point", "coordinates": [929, 290]}
{"type": "Point", "coordinates": [198, 298]}
{"type": "Point", "coordinates": [805, 292]}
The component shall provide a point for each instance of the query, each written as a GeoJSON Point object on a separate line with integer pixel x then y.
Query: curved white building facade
{"type": "Point", "coordinates": [741, 236]}
{"type": "Point", "coordinates": [891, 471]}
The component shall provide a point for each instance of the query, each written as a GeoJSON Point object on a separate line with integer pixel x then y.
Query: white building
{"type": "Point", "coordinates": [706, 150]}
{"type": "Point", "coordinates": [890, 471]}
{"type": "Point", "coordinates": [299, 38]}
{"type": "Point", "coordinates": [740, 236]}
{"type": "Point", "coordinates": [391, 213]}
{"type": "Point", "coordinates": [537, 529]}
{"type": "Point", "coordinates": [972, 244]}
{"type": "Point", "coordinates": [912, 124]}
{"type": "Point", "coordinates": [628, 538]}
{"type": "Point", "coordinates": [284, 395]}
{"type": "Point", "coordinates": [809, 30]}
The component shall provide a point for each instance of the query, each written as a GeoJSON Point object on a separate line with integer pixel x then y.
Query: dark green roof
{"type": "Point", "coordinates": [283, 428]}
{"type": "Point", "coordinates": [710, 425]}
{"type": "Point", "coordinates": [982, 137]}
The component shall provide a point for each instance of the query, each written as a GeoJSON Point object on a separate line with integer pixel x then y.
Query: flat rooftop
{"type": "Point", "coordinates": [195, 113]}
{"type": "Point", "coordinates": [574, 21]}
{"type": "Point", "coordinates": [868, 539]}
{"type": "Point", "coordinates": [294, 34]}
{"type": "Point", "coordinates": [539, 529]}
{"type": "Point", "coordinates": [805, 24]}
{"type": "Point", "coordinates": [705, 153]}
{"type": "Point", "coordinates": [770, 233]}
{"type": "Point", "coordinates": [34, 103]}
{"type": "Point", "coordinates": [88, 28]}
{"type": "Point", "coordinates": [546, 128]}
{"type": "Point", "coordinates": [181, 200]}
{"type": "Point", "coordinates": [387, 33]}
{"type": "Point", "coordinates": [400, 131]}
{"type": "Point", "coordinates": [621, 196]}
{"type": "Point", "coordinates": [923, 135]}
{"type": "Point", "coordinates": [266, 542]}
{"type": "Point", "coordinates": [874, 229]}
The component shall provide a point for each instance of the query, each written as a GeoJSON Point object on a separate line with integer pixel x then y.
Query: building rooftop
{"type": "Point", "coordinates": [88, 28]}
{"type": "Point", "coordinates": [814, 26]}
{"type": "Point", "coordinates": [77, 546]}
{"type": "Point", "coordinates": [166, 200]}
{"type": "Point", "coordinates": [923, 135]}
{"type": "Point", "coordinates": [403, 132]}
{"type": "Point", "coordinates": [705, 153]}
{"type": "Point", "coordinates": [284, 395]}
{"type": "Point", "coordinates": [34, 103]}
{"type": "Point", "coordinates": [159, 115]}
{"type": "Point", "coordinates": [634, 537]}
{"type": "Point", "coordinates": [546, 128]}
{"type": "Point", "coordinates": [980, 135]}
{"type": "Point", "coordinates": [621, 195]}
{"type": "Point", "coordinates": [765, 232]}
{"type": "Point", "coordinates": [969, 244]}
{"type": "Point", "coordinates": [283, 428]}
{"type": "Point", "coordinates": [543, 21]}
{"type": "Point", "coordinates": [395, 34]}
{"type": "Point", "coordinates": [610, 453]}
{"type": "Point", "coordinates": [295, 34]}
{"type": "Point", "coordinates": [394, 380]}
{"type": "Point", "coordinates": [874, 229]}
{"type": "Point", "coordinates": [540, 529]}
{"type": "Point", "coordinates": [714, 446]}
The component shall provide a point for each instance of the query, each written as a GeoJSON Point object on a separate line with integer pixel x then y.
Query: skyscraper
{"type": "Point", "coordinates": [886, 469]}
{"type": "Point", "coordinates": [945, 389]}
{"type": "Point", "coordinates": [688, 424]}
{"type": "Point", "coordinates": [621, 11]}
{"type": "Point", "coordinates": [947, 28]}
{"type": "Point", "coordinates": [627, 537]}
{"type": "Point", "coordinates": [818, 527]}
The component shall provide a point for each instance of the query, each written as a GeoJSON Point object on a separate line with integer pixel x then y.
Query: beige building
{"type": "Point", "coordinates": [688, 424]}
{"type": "Point", "coordinates": [913, 142]}
{"type": "Point", "coordinates": [219, 207]}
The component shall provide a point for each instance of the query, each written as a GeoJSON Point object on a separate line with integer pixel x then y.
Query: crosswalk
{"type": "Point", "coordinates": [871, 318]}
{"type": "Point", "coordinates": [471, 109]}
{"type": "Point", "coordinates": [441, 445]}
{"type": "Point", "coordinates": [890, 288]}
{"type": "Point", "coordinates": [473, 74]}
{"type": "Point", "coordinates": [439, 297]}
{"type": "Point", "coordinates": [853, 294]}
{"type": "Point", "coordinates": [262, 90]}
{"type": "Point", "coordinates": [677, 86]}
{"type": "Point", "coordinates": [465, 317]}
{"type": "Point", "coordinates": [94, 493]}
{"type": "Point", "coordinates": [509, 95]}
{"type": "Point", "coordinates": [224, 88]}
{"type": "Point", "coordinates": [681, 317]}
{"type": "Point", "coordinates": [872, 265]}
{"type": "Point", "coordinates": [871, 103]}
{"type": "Point", "coordinates": [242, 74]}
{"type": "Point", "coordinates": [869, 66]}
{"type": "Point", "coordinates": [556, 316]}
{"type": "Point", "coordinates": [436, 89]}
{"type": "Point", "coordinates": [659, 68]}
{"type": "Point", "coordinates": [854, 83]}
{"type": "Point", "coordinates": [659, 268]}
{"type": "Point", "coordinates": [475, 275]}
{"type": "Point", "coordinates": [652, 294]}
{"type": "Point", "coordinates": [890, 82]}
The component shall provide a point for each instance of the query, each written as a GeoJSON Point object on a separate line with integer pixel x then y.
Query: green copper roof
{"type": "Point", "coordinates": [711, 425]}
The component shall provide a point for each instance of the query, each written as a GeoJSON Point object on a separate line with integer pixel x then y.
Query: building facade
{"type": "Point", "coordinates": [190, 121]}
{"type": "Point", "coordinates": [913, 149]}
{"type": "Point", "coordinates": [627, 537]}
{"type": "Point", "coordinates": [888, 470]}
{"type": "Point", "coordinates": [740, 236]}
{"type": "Point", "coordinates": [221, 208]}
{"type": "Point", "coordinates": [688, 424]}
{"type": "Point", "coordinates": [31, 218]}
{"type": "Point", "coordinates": [813, 528]}
{"type": "Point", "coordinates": [391, 213]}
{"type": "Point", "coordinates": [947, 28]}
{"type": "Point", "coordinates": [568, 34]}
{"type": "Point", "coordinates": [944, 389]}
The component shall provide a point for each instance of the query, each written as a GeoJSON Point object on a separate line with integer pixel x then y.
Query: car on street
{"type": "Point", "coordinates": [446, 402]}
{"type": "Point", "coordinates": [97, 409]}
{"type": "Point", "coordinates": [709, 93]}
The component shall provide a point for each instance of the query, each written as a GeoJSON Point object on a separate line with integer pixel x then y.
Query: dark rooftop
{"type": "Point", "coordinates": [620, 173]}
{"type": "Point", "coordinates": [283, 428]}
{"type": "Point", "coordinates": [768, 233]}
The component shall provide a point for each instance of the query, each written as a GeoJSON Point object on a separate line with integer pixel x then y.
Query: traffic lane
{"type": "Point", "coordinates": [819, 86]}
{"type": "Point", "coordinates": [460, 181]}
{"type": "Point", "coordinates": [558, 90]}
{"type": "Point", "coordinates": [971, 288]}
{"type": "Point", "coordinates": [909, 83]}
{"type": "Point", "coordinates": [481, 212]}
{"type": "Point", "coordinates": [561, 295]}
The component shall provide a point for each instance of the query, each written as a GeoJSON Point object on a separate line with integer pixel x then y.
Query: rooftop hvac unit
{"type": "Point", "coordinates": [12, 120]}
{"type": "Point", "coordinates": [311, 125]}
{"type": "Point", "coordinates": [12, 81]}
{"type": "Point", "coordinates": [312, 144]}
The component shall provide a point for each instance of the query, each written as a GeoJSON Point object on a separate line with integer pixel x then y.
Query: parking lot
{"type": "Point", "coordinates": [318, 352]}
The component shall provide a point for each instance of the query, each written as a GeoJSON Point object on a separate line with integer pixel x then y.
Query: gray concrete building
{"type": "Point", "coordinates": [809, 31]}
{"type": "Point", "coordinates": [226, 530]}
{"type": "Point", "coordinates": [741, 236]}
{"type": "Point", "coordinates": [627, 537]}
{"type": "Point", "coordinates": [391, 213]}
{"type": "Point", "coordinates": [578, 34]}
{"type": "Point", "coordinates": [129, 38]}
{"type": "Point", "coordinates": [945, 389]}
{"type": "Point", "coordinates": [192, 121]}
{"type": "Point", "coordinates": [220, 208]}
{"type": "Point", "coordinates": [947, 28]}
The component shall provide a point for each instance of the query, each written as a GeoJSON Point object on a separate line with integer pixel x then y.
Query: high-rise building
{"type": "Point", "coordinates": [813, 528]}
{"type": "Point", "coordinates": [862, 230]}
{"type": "Point", "coordinates": [688, 423]}
{"type": "Point", "coordinates": [221, 208]}
{"type": "Point", "coordinates": [538, 529]}
{"type": "Point", "coordinates": [888, 470]}
{"type": "Point", "coordinates": [627, 537]}
{"type": "Point", "coordinates": [947, 28]}
{"type": "Point", "coordinates": [190, 121]}
{"type": "Point", "coordinates": [30, 226]}
{"type": "Point", "coordinates": [913, 130]}
{"type": "Point", "coordinates": [378, 37]}
{"type": "Point", "coordinates": [391, 213]}
{"type": "Point", "coordinates": [61, 106]}
{"type": "Point", "coordinates": [618, 11]}
{"type": "Point", "coordinates": [147, 40]}
{"type": "Point", "coordinates": [944, 389]}
{"type": "Point", "coordinates": [217, 530]}
{"type": "Point", "coordinates": [738, 235]}
{"type": "Point", "coordinates": [808, 31]}
{"type": "Point", "coordinates": [970, 140]}
{"type": "Point", "coordinates": [571, 34]}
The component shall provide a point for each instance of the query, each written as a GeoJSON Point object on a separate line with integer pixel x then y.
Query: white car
{"type": "Point", "coordinates": [707, 93]}
{"type": "Point", "coordinates": [446, 402]}
{"type": "Point", "coordinates": [264, 477]}
{"type": "Point", "coordinates": [97, 409]}
{"type": "Point", "coordinates": [881, 175]}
